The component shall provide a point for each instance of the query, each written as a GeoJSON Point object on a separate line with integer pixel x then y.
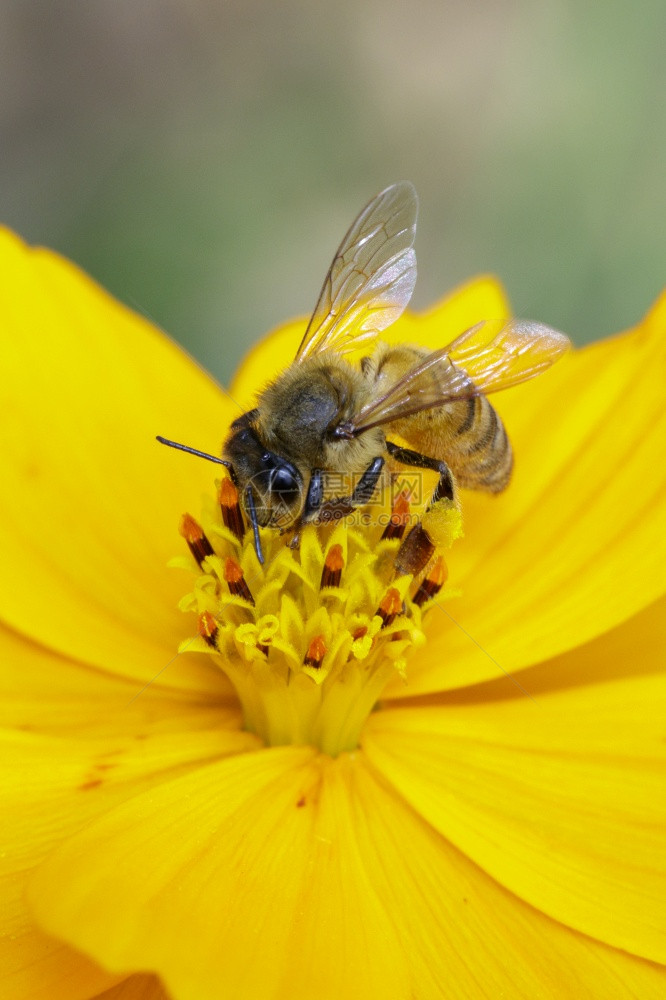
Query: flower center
{"type": "Point", "coordinates": [310, 638]}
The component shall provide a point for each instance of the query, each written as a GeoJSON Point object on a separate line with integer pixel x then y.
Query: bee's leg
{"type": "Point", "coordinates": [418, 546]}
{"type": "Point", "coordinates": [444, 488]}
{"type": "Point", "coordinates": [313, 502]}
{"type": "Point", "coordinates": [333, 510]}
{"type": "Point", "coordinates": [315, 496]}
{"type": "Point", "coordinates": [365, 487]}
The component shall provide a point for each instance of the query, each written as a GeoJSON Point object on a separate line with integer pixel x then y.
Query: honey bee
{"type": "Point", "coordinates": [325, 415]}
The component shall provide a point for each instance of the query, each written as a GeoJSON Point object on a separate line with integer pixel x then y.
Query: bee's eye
{"type": "Point", "coordinates": [284, 483]}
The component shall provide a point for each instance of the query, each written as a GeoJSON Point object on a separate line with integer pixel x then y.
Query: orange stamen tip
{"type": "Point", "coordinates": [207, 625]}
{"type": "Point", "coordinates": [233, 571]}
{"type": "Point", "coordinates": [190, 529]}
{"type": "Point", "coordinates": [194, 535]}
{"type": "Point", "coordinates": [334, 559]}
{"type": "Point", "coordinates": [234, 577]}
{"type": "Point", "coordinates": [227, 494]}
{"type": "Point", "coordinates": [208, 629]}
{"type": "Point", "coordinates": [399, 517]}
{"type": "Point", "coordinates": [432, 583]}
{"type": "Point", "coordinates": [391, 603]}
{"type": "Point", "coordinates": [360, 632]}
{"type": "Point", "coordinates": [438, 573]}
{"type": "Point", "coordinates": [331, 574]}
{"type": "Point", "coordinates": [400, 512]}
{"type": "Point", "coordinates": [316, 652]}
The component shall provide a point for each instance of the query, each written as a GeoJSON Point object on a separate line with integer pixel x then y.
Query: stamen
{"type": "Point", "coordinates": [332, 571]}
{"type": "Point", "coordinates": [194, 535]}
{"type": "Point", "coordinates": [433, 582]}
{"type": "Point", "coordinates": [316, 652]}
{"type": "Point", "coordinates": [208, 629]}
{"type": "Point", "coordinates": [231, 512]}
{"type": "Point", "coordinates": [390, 607]}
{"type": "Point", "coordinates": [399, 517]}
{"type": "Point", "coordinates": [297, 636]}
{"type": "Point", "coordinates": [234, 577]}
{"type": "Point", "coordinates": [415, 551]}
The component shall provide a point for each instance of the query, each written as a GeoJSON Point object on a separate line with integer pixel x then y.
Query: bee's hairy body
{"type": "Point", "coordinates": [298, 414]}
{"type": "Point", "coordinates": [295, 418]}
{"type": "Point", "coordinates": [324, 416]}
{"type": "Point", "coordinates": [467, 434]}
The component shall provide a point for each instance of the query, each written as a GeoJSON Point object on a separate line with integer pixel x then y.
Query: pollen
{"type": "Point", "coordinates": [316, 652]}
{"type": "Point", "coordinates": [311, 637]}
{"type": "Point", "coordinates": [208, 629]}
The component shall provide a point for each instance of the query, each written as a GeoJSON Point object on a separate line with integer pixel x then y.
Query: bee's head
{"type": "Point", "coordinates": [278, 487]}
{"type": "Point", "coordinates": [275, 482]}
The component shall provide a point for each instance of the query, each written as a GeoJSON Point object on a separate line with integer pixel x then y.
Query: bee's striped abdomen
{"type": "Point", "coordinates": [467, 434]}
{"type": "Point", "coordinates": [480, 454]}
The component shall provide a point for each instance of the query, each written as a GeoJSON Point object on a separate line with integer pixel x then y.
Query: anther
{"type": "Point", "coordinates": [316, 652]}
{"type": "Point", "coordinates": [194, 535]}
{"type": "Point", "coordinates": [432, 583]}
{"type": "Point", "coordinates": [227, 496]}
{"type": "Point", "coordinates": [332, 571]}
{"type": "Point", "coordinates": [415, 552]}
{"type": "Point", "coordinates": [360, 632]}
{"type": "Point", "coordinates": [399, 517]}
{"type": "Point", "coordinates": [235, 579]}
{"type": "Point", "coordinates": [208, 629]}
{"type": "Point", "coordinates": [390, 607]}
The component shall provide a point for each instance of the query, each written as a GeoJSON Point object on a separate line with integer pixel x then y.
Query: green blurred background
{"type": "Point", "coordinates": [202, 159]}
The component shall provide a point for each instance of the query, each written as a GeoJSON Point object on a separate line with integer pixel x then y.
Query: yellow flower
{"type": "Point", "coordinates": [490, 836]}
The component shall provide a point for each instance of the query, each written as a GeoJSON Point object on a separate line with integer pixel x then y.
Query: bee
{"type": "Point", "coordinates": [324, 414]}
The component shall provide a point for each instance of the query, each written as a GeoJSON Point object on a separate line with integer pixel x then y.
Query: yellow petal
{"type": "Point", "coordinates": [280, 876]}
{"type": "Point", "coordinates": [266, 360]}
{"type": "Point", "coordinates": [43, 692]}
{"type": "Point", "coordinates": [633, 649]}
{"type": "Point", "coordinates": [480, 298]}
{"type": "Point", "coordinates": [208, 874]}
{"type": "Point", "coordinates": [560, 798]}
{"type": "Point", "coordinates": [35, 967]}
{"type": "Point", "coordinates": [49, 788]}
{"type": "Point", "coordinates": [577, 543]}
{"type": "Point", "coordinates": [90, 501]}
{"type": "Point", "coordinates": [255, 857]}
{"type": "Point", "coordinates": [466, 937]}
{"type": "Point", "coordinates": [135, 988]}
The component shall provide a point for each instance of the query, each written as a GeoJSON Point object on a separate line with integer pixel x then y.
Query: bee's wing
{"type": "Point", "coordinates": [372, 276]}
{"type": "Point", "coordinates": [490, 356]}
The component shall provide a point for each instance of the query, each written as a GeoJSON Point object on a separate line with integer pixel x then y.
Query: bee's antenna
{"type": "Point", "coordinates": [194, 451]}
{"type": "Point", "coordinates": [252, 511]}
